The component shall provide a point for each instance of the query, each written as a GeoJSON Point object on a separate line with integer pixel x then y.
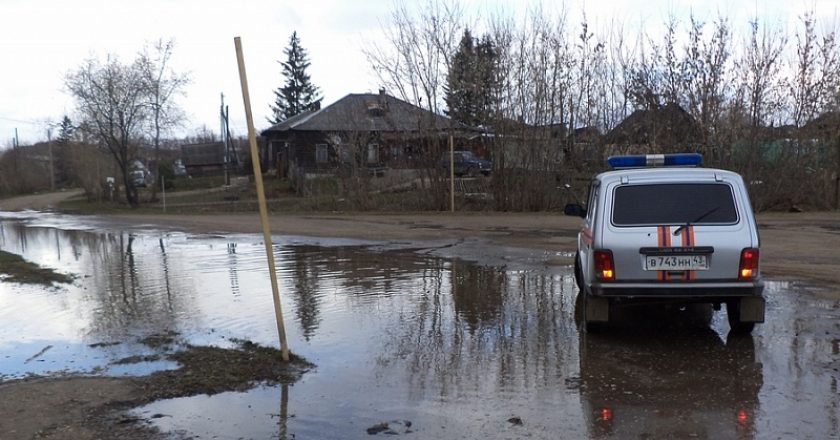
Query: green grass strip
{"type": "Point", "coordinates": [19, 270]}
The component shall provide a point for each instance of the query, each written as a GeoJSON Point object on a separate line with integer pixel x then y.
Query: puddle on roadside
{"type": "Point", "coordinates": [404, 332]}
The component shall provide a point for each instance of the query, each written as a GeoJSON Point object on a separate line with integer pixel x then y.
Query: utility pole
{"type": "Point", "coordinates": [837, 178]}
{"type": "Point", "coordinates": [52, 169]}
{"type": "Point", "coordinates": [223, 132]}
{"type": "Point", "coordinates": [17, 152]}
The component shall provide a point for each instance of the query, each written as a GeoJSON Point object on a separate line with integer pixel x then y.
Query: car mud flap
{"type": "Point", "coordinates": [752, 309]}
{"type": "Point", "coordinates": [597, 309]}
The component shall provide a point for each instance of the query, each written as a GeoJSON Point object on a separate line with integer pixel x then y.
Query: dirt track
{"type": "Point", "coordinates": [37, 201]}
{"type": "Point", "coordinates": [800, 246]}
{"type": "Point", "coordinates": [795, 246]}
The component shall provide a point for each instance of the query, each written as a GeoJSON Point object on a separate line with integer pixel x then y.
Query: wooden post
{"type": "Point", "coordinates": [451, 174]}
{"type": "Point", "coordinates": [255, 160]}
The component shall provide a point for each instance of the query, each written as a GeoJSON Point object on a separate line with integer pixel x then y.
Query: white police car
{"type": "Point", "coordinates": [657, 228]}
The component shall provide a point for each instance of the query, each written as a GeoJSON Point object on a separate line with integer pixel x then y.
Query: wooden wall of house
{"type": "Point", "coordinates": [396, 150]}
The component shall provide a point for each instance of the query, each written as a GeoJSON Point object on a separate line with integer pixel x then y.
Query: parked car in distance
{"type": "Point", "coordinates": [660, 229]}
{"type": "Point", "coordinates": [138, 178]}
{"type": "Point", "coordinates": [178, 168]}
{"type": "Point", "coordinates": [466, 163]}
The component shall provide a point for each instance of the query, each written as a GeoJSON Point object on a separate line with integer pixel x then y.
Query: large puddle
{"type": "Point", "coordinates": [435, 346]}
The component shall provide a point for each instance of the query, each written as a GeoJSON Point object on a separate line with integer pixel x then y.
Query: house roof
{"type": "Point", "coordinates": [824, 125]}
{"type": "Point", "coordinates": [588, 134]}
{"type": "Point", "coordinates": [203, 154]}
{"type": "Point", "coordinates": [366, 112]}
{"type": "Point", "coordinates": [667, 125]}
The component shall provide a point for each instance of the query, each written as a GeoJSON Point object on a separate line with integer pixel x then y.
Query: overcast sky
{"type": "Point", "coordinates": [41, 40]}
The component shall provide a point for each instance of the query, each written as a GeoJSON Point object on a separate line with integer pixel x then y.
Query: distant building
{"type": "Point", "coordinates": [205, 158]}
{"type": "Point", "coordinates": [824, 127]}
{"type": "Point", "coordinates": [372, 130]}
{"type": "Point", "coordinates": [668, 128]}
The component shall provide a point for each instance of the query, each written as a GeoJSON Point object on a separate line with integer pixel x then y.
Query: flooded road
{"type": "Point", "coordinates": [452, 339]}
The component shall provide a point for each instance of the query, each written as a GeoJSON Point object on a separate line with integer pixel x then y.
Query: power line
{"type": "Point", "coordinates": [22, 121]}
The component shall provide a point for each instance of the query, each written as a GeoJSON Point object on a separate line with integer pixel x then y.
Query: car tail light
{"type": "Point", "coordinates": [748, 269]}
{"type": "Point", "coordinates": [743, 424]}
{"type": "Point", "coordinates": [604, 267]}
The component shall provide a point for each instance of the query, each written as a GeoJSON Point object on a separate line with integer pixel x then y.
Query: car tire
{"type": "Point", "coordinates": [733, 315]}
{"type": "Point", "coordinates": [589, 326]}
{"type": "Point", "coordinates": [584, 326]}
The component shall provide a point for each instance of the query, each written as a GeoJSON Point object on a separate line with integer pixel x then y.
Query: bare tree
{"type": "Point", "coordinates": [536, 107]}
{"type": "Point", "coordinates": [163, 85]}
{"type": "Point", "coordinates": [589, 57]}
{"type": "Point", "coordinates": [112, 100]}
{"type": "Point", "coordinates": [555, 79]}
{"type": "Point", "coordinates": [87, 167]}
{"type": "Point", "coordinates": [673, 77]}
{"type": "Point", "coordinates": [417, 57]}
{"type": "Point", "coordinates": [646, 87]}
{"type": "Point", "coordinates": [816, 72]}
{"type": "Point", "coordinates": [760, 67]}
{"type": "Point", "coordinates": [622, 65]}
{"type": "Point", "coordinates": [705, 66]}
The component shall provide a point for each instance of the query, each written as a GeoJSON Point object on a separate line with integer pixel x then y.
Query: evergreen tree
{"type": "Point", "coordinates": [298, 94]}
{"type": "Point", "coordinates": [473, 81]}
{"type": "Point", "coordinates": [65, 131]}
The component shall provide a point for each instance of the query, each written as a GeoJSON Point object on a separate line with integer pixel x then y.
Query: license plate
{"type": "Point", "coordinates": [676, 262]}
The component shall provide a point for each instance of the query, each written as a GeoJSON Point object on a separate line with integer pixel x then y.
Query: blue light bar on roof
{"type": "Point", "coordinates": [655, 160]}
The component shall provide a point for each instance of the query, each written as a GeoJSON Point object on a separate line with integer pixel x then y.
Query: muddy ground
{"type": "Point", "coordinates": [796, 246]}
{"type": "Point", "coordinates": [91, 407]}
{"type": "Point", "coordinates": [801, 246]}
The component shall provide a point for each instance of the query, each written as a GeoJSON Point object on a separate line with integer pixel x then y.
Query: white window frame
{"type": "Point", "coordinates": [372, 153]}
{"type": "Point", "coordinates": [322, 153]}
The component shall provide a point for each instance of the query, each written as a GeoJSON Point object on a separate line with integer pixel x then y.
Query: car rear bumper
{"type": "Point", "coordinates": [678, 290]}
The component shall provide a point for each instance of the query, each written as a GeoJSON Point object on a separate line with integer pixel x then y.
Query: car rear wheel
{"type": "Point", "coordinates": [733, 314]}
{"type": "Point", "coordinates": [578, 273]}
{"type": "Point", "coordinates": [592, 312]}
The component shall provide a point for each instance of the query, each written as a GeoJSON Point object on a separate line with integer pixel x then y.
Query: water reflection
{"type": "Point", "coordinates": [669, 381]}
{"type": "Point", "coordinates": [497, 333]}
{"type": "Point", "coordinates": [233, 274]}
{"type": "Point", "coordinates": [131, 288]}
{"type": "Point", "coordinates": [304, 266]}
{"type": "Point", "coordinates": [457, 348]}
{"type": "Point", "coordinates": [262, 413]}
{"type": "Point", "coordinates": [123, 290]}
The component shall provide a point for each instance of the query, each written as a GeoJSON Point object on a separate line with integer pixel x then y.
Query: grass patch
{"type": "Point", "coordinates": [136, 360]}
{"type": "Point", "coordinates": [202, 370]}
{"type": "Point", "coordinates": [182, 183]}
{"type": "Point", "coordinates": [212, 370]}
{"type": "Point", "coordinates": [84, 207]}
{"type": "Point", "coordinates": [21, 271]}
{"type": "Point", "coordinates": [207, 195]}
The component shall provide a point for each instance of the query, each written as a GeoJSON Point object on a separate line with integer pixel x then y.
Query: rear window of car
{"type": "Point", "coordinates": [674, 204]}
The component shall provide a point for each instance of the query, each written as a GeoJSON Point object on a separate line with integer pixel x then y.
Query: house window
{"type": "Point", "coordinates": [321, 155]}
{"type": "Point", "coordinates": [345, 152]}
{"type": "Point", "coordinates": [373, 153]}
